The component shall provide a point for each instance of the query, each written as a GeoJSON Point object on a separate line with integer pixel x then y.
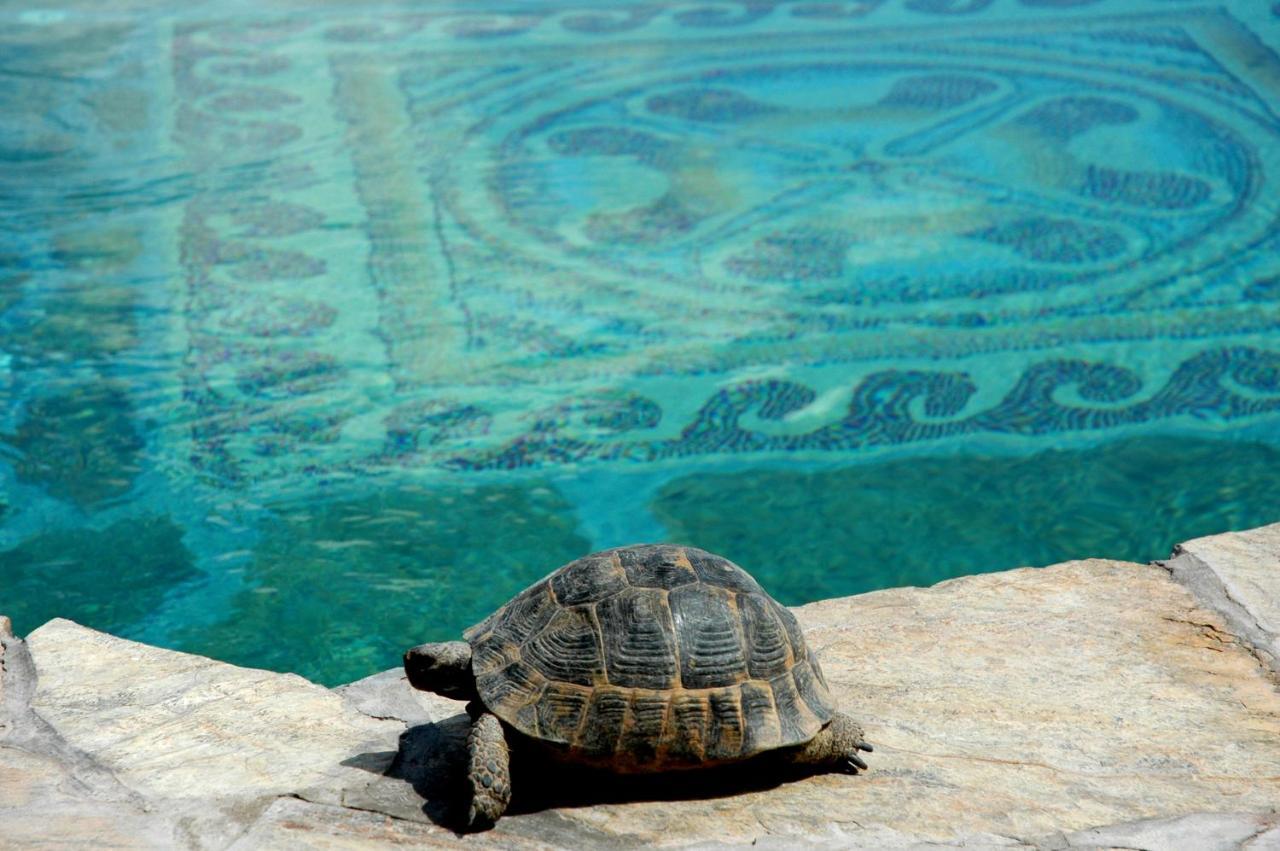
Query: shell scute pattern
{"type": "Point", "coordinates": [567, 649]}
{"type": "Point", "coordinates": [511, 689]}
{"type": "Point", "coordinates": [715, 570]}
{"type": "Point", "coordinates": [760, 724]}
{"type": "Point", "coordinates": [647, 728]}
{"type": "Point", "coordinates": [657, 567]}
{"type": "Point", "coordinates": [560, 711]}
{"type": "Point", "coordinates": [768, 646]}
{"type": "Point", "coordinates": [589, 579]}
{"type": "Point", "coordinates": [726, 736]}
{"type": "Point", "coordinates": [495, 641]}
{"type": "Point", "coordinates": [811, 688]}
{"type": "Point", "coordinates": [710, 635]}
{"type": "Point", "coordinates": [795, 638]}
{"type": "Point", "coordinates": [640, 640]}
{"type": "Point", "coordinates": [793, 716]}
{"type": "Point", "coordinates": [526, 718]}
{"type": "Point", "coordinates": [687, 737]}
{"type": "Point", "coordinates": [492, 655]}
{"type": "Point", "coordinates": [606, 718]}
{"type": "Point", "coordinates": [651, 657]}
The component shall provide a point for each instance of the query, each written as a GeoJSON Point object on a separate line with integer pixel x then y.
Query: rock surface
{"type": "Point", "coordinates": [1090, 704]}
{"type": "Point", "coordinates": [1239, 575]}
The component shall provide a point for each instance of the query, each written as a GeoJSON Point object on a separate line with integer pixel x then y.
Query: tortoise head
{"type": "Point", "coordinates": [444, 668]}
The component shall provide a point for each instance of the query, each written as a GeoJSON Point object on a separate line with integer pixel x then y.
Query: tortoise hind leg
{"type": "Point", "coordinates": [835, 747]}
{"type": "Point", "coordinates": [488, 770]}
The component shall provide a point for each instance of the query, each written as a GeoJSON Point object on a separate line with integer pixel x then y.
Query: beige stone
{"type": "Point", "coordinates": [291, 823]}
{"type": "Point", "coordinates": [1200, 831]}
{"type": "Point", "coordinates": [174, 725]}
{"type": "Point", "coordinates": [1031, 708]}
{"type": "Point", "coordinates": [42, 806]}
{"type": "Point", "coordinates": [1017, 704]}
{"type": "Point", "coordinates": [52, 796]}
{"type": "Point", "coordinates": [1242, 573]}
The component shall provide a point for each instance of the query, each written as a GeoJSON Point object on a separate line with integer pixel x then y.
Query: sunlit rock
{"type": "Point", "coordinates": [1090, 703]}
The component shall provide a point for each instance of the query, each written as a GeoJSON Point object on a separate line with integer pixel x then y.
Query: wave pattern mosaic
{"type": "Point", "coordinates": [557, 206]}
{"type": "Point", "coordinates": [573, 260]}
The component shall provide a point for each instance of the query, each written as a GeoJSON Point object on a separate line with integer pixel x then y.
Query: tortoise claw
{"type": "Point", "coordinates": [863, 746]}
{"type": "Point", "coordinates": [857, 761]}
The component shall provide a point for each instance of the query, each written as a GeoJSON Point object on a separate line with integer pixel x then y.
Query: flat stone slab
{"type": "Point", "coordinates": [51, 795]}
{"type": "Point", "coordinates": [1089, 704]}
{"type": "Point", "coordinates": [177, 725]}
{"type": "Point", "coordinates": [1200, 831]}
{"type": "Point", "coordinates": [209, 743]}
{"type": "Point", "coordinates": [42, 805]}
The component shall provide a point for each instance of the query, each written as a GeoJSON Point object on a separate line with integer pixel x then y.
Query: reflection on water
{"type": "Point", "coordinates": [321, 333]}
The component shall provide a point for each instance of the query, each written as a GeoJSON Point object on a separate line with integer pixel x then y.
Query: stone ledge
{"type": "Point", "coordinates": [1088, 704]}
{"type": "Point", "coordinates": [1237, 575]}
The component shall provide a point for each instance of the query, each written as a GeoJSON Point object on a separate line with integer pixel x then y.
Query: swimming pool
{"type": "Point", "coordinates": [327, 326]}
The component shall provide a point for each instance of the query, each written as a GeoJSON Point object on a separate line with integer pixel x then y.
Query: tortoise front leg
{"type": "Point", "coordinates": [488, 769]}
{"type": "Point", "coordinates": [836, 746]}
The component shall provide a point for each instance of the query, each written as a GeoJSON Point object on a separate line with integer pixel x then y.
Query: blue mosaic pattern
{"type": "Point", "coordinates": [881, 411]}
{"type": "Point", "coordinates": [420, 300]}
{"type": "Point", "coordinates": [587, 212]}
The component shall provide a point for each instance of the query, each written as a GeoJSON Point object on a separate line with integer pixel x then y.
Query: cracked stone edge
{"type": "Point", "coordinates": [1198, 576]}
{"type": "Point", "coordinates": [24, 729]}
{"type": "Point", "coordinates": [30, 732]}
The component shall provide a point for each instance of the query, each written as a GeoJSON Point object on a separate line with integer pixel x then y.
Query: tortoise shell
{"type": "Point", "coordinates": [650, 657]}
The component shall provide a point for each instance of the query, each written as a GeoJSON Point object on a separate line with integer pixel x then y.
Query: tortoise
{"type": "Point", "coordinates": [638, 659]}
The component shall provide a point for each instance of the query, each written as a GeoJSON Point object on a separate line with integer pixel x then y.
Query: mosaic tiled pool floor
{"type": "Point", "coordinates": [323, 331]}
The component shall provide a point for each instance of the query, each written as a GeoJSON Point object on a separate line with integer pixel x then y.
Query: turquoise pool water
{"type": "Point", "coordinates": [325, 327]}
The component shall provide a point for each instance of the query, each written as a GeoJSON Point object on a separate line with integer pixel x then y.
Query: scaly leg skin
{"type": "Point", "coordinates": [488, 771]}
{"type": "Point", "coordinates": [835, 747]}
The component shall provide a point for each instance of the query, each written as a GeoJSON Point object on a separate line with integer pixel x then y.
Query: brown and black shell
{"type": "Point", "coordinates": [650, 657]}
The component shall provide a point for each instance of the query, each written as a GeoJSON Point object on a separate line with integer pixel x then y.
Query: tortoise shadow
{"type": "Point", "coordinates": [432, 758]}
